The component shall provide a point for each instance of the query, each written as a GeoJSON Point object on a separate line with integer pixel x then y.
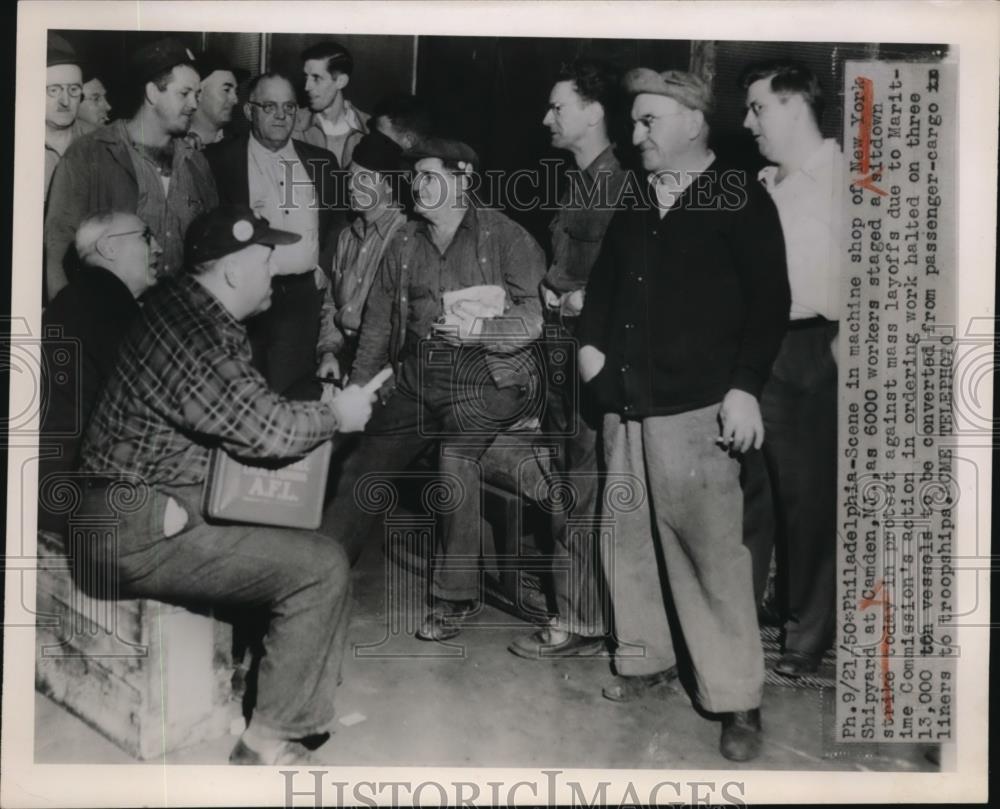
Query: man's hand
{"type": "Point", "coordinates": [591, 362]}
{"type": "Point", "coordinates": [329, 368]}
{"type": "Point", "coordinates": [352, 407]}
{"type": "Point", "coordinates": [741, 422]}
{"type": "Point", "coordinates": [552, 300]}
{"type": "Point", "coordinates": [572, 303]}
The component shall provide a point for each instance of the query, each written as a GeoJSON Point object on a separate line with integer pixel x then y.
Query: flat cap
{"type": "Point", "coordinates": [60, 52]}
{"type": "Point", "coordinates": [158, 57]}
{"type": "Point", "coordinates": [377, 152]}
{"type": "Point", "coordinates": [208, 61]}
{"type": "Point", "coordinates": [448, 151]}
{"type": "Point", "coordinates": [228, 229]}
{"type": "Point", "coordinates": [685, 88]}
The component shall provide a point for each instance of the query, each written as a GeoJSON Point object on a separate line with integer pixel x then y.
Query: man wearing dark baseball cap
{"type": "Point", "coordinates": [453, 310]}
{"type": "Point", "coordinates": [219, 81]}
{"type": "Point", "coordinates": [141, 165]}
{"type": "Point", "coordinates": [183, 385]}
{"type": "Point", "coordinates": [374, 184]}
{"type": "Point", "coordinates": [686, 307]}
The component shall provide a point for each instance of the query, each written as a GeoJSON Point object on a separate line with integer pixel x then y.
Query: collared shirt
{"type": "Point", "coordinates": [197, 142]}
{"type": "Point", "coordinates": [282, 191]}
{"type": "Point", "coordinates": [690, 306]}
{"type": "Point", "coordinates": [341, 137]}
{"type": "Point", "coordinates": [669, 185]}
{"type": "Point", "coordinates": [53, 155]}
{"type": "Point", "coordinates": [359, 251]}
{"type": "Point", "coordinates": [579, 226]}
{"type": "Point", "coordinates": [808, 202]}
{"type": "Point", "coordinates": [183, 384]}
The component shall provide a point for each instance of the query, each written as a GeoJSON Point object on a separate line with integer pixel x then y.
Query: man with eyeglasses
{"type": "Point", "coordinates": [120, 259]}
{"type": "Point", "coordinates": [63, 90]}
{"type": "Point", "coordinates": [301, 187]}
{"type": "Point", "coordinates": [218, 99]}
{"type": "Point", "coordinates": [141, 164]}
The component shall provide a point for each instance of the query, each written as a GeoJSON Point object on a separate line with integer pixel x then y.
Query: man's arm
{"type": "Point", "coordinates": [331, 339]}
{"type": "Point", "coordinates": [523, 270]}
{"type": "Point", "coordinates": [66, 209]}
{"type": "Point", "coordinates": [376, 322]}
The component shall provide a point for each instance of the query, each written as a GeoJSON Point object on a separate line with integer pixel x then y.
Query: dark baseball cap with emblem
{"type": "Point", "coordinates": [158, 57]}
{"type": "Point", "coordinates": [452, 153]}
{"type": "Point", "coordinates": [228, 229]}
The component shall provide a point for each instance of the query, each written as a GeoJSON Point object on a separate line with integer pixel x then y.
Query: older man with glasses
{"type": "Point", "coordinates": [63, 92]}
{"type": "Point", "coordinates": [121, 257]}
{"type": "Point", "coordinates": [301, 188]}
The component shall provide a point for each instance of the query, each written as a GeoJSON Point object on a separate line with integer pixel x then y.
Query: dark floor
{"type": "Point", "coordinates": [405, 702]}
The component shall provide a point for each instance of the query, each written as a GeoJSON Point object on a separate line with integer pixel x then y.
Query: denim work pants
{"type": "Point", "coordinates": [680, 547]}
{"type": "Point", "coordinates": [799, 406]}
{"type": "Point", "coordinates": [299, 577]}
{"type": "Point", "coordinates": [572, 430]}
{"type": "Point", "coordinates": [457, 407]}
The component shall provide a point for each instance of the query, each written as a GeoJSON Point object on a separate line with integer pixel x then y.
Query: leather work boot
{"type": "Point", "coordinates": [741, 735]}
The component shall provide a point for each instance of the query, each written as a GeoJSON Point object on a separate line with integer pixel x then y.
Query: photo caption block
{"type": "Point", "coordinates": [895, 661]}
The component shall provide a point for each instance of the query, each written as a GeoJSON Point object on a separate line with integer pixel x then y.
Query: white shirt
{"type": "Point", "coordinates": [287, 198]}
{"type": "Point", "coordinates": [668, 185]}
{"type": "Point", "coordinates": [808, 203]}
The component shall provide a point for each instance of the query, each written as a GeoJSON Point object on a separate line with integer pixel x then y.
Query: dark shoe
{"type": "Point", "coordinates": [445, 619]}
{"type": "Point", "coordinates": [288, 753]}
{"type": "Point", "coordinates": [795, 664]}
{"type": "Point", "coordinates": [741, 732]}
{"type": "Point", "coordinates": [538, 645]}
{"type": "Point", "coordinates": [627, 689]}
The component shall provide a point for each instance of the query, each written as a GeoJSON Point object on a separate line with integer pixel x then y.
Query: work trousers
{"type": "Point", "coordinates": [456, 406]}
{"type": "Point", "coordinates": [300, 578]}
{"type": "Point", "coordinates": [679, 546]}
{"type": "Point", "coordinates": [571, 429]}
{"type": "Point", "coordinates": [799, 406]}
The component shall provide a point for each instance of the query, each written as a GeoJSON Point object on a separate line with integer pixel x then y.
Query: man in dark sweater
{"type": "Point", "coordinates": [89, 317]}
{"type": "Point", "coordinates": [686, 307]}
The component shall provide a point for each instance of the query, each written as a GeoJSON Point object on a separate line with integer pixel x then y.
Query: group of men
{"type": "Point", "coordinates": [704, 310]}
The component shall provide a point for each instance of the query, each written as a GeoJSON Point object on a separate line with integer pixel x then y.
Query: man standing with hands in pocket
{"type": "Point", "coordinates": [686, 307]}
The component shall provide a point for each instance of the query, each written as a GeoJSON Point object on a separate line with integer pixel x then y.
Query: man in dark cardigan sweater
{"type": "Point", "coordinates": [686, 307]}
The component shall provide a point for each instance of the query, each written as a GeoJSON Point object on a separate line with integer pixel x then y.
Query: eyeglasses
{"type": "Point", "coordinates": [271, 107]}
{"type": "Point", "coordinates": [147, 234]}
{"type": "Point", "coordinates": [72, 90]}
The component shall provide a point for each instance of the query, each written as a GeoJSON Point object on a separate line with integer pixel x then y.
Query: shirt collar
{"type": "Point", "coordinates": [286, 152]}
{"type": "Point", "coordinates": [382, 225]}
{"type": "Point", "coordinates": [605, 161]}
{"type": "Point", "coordinates": [351, 118]}
{"type": "Point", "coordinates": [204, 301]}
{"type": "Point", "coordinates": [814, 167]}
{"type": "Point", "coordinates": [468, 221]}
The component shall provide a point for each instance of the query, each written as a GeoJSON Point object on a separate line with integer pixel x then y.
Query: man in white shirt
{"type": "Point", "coordinates": [799, 402]}
{"type": "Point", "coordinates": [335, 124]}
{"type": "Point", "coordinates": [301, 188]}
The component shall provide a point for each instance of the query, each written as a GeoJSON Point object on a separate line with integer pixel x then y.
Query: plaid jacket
{"type": "Point", "coordinates": [184, 384]}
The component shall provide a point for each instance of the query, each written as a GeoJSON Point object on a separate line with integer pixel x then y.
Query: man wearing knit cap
{"type": "Point", "coordinates": [63, 90]}
{"type": "Point", "coordinates": [218, 99]}
{"type": "Point", "coordinates": [452, 309]}
{"type": "Point", "coordinates": [373, 190]}
{"type": "Point", "coordinates": [686, 307]}
{"type": "Point", "coordinates": [141, 165]}
{"type": "Point", "coordinates": [301, 186]}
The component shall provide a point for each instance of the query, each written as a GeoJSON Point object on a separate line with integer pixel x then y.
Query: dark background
{"type": "Point", "coordinates": [492, 92]}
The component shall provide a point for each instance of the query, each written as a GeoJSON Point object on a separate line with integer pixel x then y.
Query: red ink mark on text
{"type": "Point", "coordinates": [886, 605]}
{"type": "Point", "coordinates": [865, 138]}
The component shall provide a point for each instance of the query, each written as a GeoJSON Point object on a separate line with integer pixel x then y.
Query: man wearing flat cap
{"type": "Point", "coordinates": [218, 99]}
{"type": "Point", "coordinates": [141, 165]}
{"type": "Point", "coordinates": [63, 91]}
{"type": "Point", "coordinates": [452, 310]}
{"type": "Point", "coordinates": [184, 385]}
{"type": "Point", "coordinates": [686, 308]}
{"type": "Point", "coordinates": [301, 186]}
{"type": "Point", "coordinates": [373, 189]}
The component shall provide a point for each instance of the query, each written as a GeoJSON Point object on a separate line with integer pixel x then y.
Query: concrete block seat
{"type": "Point", "coordinates": [151, 677]}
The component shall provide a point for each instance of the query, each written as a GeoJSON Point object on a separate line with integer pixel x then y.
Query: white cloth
{"type": "Point", "coordinates": [282, 191]}
{"type": "Point", "coordinates": [808, 203]}
{"type": "Point", "coordinates": [668, 185]}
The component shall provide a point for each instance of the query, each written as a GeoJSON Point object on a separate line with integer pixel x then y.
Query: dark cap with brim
{"type": "Point", "coordinates": [228, 229]}
{"type": "Point", "coordinates": [60, 52]}
{"type": "Point", "coordinates": [208, 61]}
{"type": "Point", "coordinates": [378, 152]}
{"type": "Point", "coordinates": [685, 88]}
{"type": "Point", "coordinates": [448, 151]}
{"type": "Point", "coordinates": [158, 57]}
